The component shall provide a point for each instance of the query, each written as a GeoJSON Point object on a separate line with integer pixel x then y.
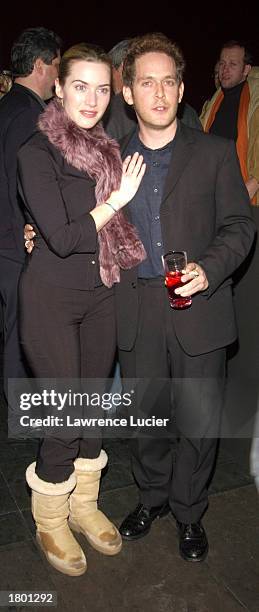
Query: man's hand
{"type": "Point", "coordinates": [195, 279]}
{"type": "Point", "coordinates": [252, 187]}
{"type": "Point", "coordinates": [28, 234]}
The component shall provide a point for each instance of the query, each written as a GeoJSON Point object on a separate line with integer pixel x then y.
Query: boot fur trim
{"type": "Point", "coordinates": [91, 465]}
{"type": "Point", "coordinates": [49, 488]}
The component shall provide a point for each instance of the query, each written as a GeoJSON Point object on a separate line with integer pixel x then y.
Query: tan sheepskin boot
{"type": "Point", "coordinates": [84, 515]}
{"type": "Point", "coordinates": [50, 511]}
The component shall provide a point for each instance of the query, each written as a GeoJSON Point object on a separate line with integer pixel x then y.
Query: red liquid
{"type": "Point", "coordinates": [172, 282]}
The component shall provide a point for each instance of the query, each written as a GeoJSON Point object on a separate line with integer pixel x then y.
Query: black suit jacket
{"type": "Point", "coordinates": [205, 211]}
{"type": "Point", "coordinates": [57, 199]}
{"type": "Point", "coordinates": [19, 111]}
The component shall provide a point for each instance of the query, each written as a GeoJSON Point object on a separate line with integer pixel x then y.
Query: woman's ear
{"type": "Point", "coordinates": [58, 89]}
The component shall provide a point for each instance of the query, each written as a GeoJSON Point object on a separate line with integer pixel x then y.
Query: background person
{"type": "Point", "coordinates": [233, 112]}
{"type": "Point", "coordinates": [35, 57]}
{"type": "Point", "coordinates": [5, 82]}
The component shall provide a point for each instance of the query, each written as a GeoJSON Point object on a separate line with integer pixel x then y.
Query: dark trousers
{"type": "Point", "coordinates": [66, 333]}
{"type": "Point", "coordinates": [14, 363]}
{"type": "Point", "coordinates": [186, 389]}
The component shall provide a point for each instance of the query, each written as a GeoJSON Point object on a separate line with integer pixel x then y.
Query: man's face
{"type": "Point", "coordinates": [155, 92]}
{"type": "Point", "coordinates": [50, 74]}
{"type": "Point", "coordinates": [232, 69]}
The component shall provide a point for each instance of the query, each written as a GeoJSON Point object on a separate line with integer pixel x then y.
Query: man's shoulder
{"type": "Point", "coordinates": [123, 142]}
{"type": "Point", "coordinates": [210, 141]}
{"type": "Point", "coordinates": [16, 104]}
{"type": "Point", "coordinates": [20, 96]}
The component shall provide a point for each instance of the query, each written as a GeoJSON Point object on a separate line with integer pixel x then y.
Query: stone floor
{"type": "Point", "coordinates": [148, 575]}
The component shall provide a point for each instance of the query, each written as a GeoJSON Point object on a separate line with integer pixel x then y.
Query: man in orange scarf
{"type": "Point", "coordinates": [233, 111]}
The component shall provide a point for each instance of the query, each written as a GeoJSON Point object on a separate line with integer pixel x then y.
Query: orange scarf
{"type": "Point", "coordinates": [242, 139]}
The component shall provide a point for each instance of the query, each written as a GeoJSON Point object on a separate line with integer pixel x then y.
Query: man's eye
{"type": "Point", "coordinates": [169, 82]}
{"type": "Point", "coordinates": [147, 83]}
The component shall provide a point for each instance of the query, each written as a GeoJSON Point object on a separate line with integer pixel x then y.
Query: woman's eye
{"type": "Point", "coordinates": [80, 87]}
{"type": "Point", "coordinates": [103, 90]}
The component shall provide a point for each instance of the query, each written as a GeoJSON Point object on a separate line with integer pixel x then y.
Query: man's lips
{"type": "Point", "coordinates": [160, 108]}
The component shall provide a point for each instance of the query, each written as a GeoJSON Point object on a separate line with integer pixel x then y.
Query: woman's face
{"type": "Point", "coordinates": [86, 92]}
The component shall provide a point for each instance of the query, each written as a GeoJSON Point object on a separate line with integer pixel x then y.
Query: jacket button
{"type": "Point", "coordinates": [134, 285]}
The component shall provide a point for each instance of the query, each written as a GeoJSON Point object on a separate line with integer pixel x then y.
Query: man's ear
{"type": "Point", "coordinates": [127, 94]}
{"type": "Point", "coordinates": [247, 69]}
{"type": "Point", "coordinates": [181, 90]}
{"type": "Point", "coordinates": [39, 65]}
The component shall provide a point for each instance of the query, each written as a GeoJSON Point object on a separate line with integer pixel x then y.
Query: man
{"type": "Point", "coordinates": [233, 111]}
{"type": "Point", "coordinates": [120, 118]}
{"type": "Point", "coordinates": [35, 58]}
{"type": "Point", "coordinates": [192, 197]}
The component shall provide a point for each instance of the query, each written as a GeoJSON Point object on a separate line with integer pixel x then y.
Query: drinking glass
{"type": "Point", "coordinates": [174, 263]}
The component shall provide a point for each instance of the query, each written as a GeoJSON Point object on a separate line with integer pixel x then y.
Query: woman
{"type": "Point", "coordinates": [73, 184]}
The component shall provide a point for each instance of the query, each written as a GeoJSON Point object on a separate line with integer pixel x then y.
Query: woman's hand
{"type": "Point", "coordinates": [133, 170]}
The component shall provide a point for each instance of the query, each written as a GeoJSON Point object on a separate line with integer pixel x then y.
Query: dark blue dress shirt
{"type": "Point", "coordinates": [145, 206]}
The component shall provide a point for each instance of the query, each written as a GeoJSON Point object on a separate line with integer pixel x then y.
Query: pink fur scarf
{"type": "Point", "coordinates": [93, 152]}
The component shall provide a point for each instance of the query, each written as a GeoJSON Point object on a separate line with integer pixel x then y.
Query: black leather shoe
{"type": "Point", "coordinates": [193, 543]}
{"type": "Point", "coordinates": [138, 523]}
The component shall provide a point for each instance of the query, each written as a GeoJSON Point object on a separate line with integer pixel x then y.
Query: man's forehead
{"type": "Point", "coordinates": [236, 53]}
{"type": "Point", "coordinates": [155, 62]}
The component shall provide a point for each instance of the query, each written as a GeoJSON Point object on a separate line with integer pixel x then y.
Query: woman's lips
{"type": "Point", "coordinates": [88, 114]}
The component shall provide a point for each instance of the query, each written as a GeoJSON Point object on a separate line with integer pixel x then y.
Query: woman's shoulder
{"type": "Point", "coordinates": [38, 139]}
{"type": "Point", "coordinates": [38, 142]}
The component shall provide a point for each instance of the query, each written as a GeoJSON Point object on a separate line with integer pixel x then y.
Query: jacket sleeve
{"type": "Point", "coordinates": [17, 132]}
{"type": "Point", "coordinates": [235, 227]}
{"type": "Point", "coordinates": [42, 197]}
{"type": "Point", "coordinates": [253, 147]}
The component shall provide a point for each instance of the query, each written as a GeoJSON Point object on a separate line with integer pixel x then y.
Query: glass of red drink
{"type": "Point", "coordinates": [174, 263]}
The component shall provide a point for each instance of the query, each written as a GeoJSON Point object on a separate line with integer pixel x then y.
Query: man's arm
{"type": "Point", "coordinates": [235, 227]}
{"type": "Point", "coordinates": [252, 184]}
{"type": "Point", "coordinates": [18, 131]}
{"type": "Point", "coordinates": [42, 197]}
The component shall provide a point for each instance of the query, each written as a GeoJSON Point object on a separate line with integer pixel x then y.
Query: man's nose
{"type": "Point", "coordinates": [160, 90]}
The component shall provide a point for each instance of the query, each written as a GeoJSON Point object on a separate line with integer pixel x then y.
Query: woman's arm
{"type": "Point", "coordinates": [42, 197]}
{"type": "Point", "coordinates": [132, 172]}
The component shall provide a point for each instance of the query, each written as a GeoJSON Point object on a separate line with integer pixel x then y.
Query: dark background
{"type": "Point", "coordinates": [198, 30]}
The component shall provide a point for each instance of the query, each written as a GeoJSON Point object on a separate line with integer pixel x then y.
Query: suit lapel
{"type": "Point", "coordinates": [123, 142]}
{"type": "Point", "coordinates": [182, 153]}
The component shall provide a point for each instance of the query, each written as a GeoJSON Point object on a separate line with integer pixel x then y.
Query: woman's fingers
{"type": "Point", "coordinates": [126, 163]}
{"type": "Point", "coordinates": [141, 172]}
{"type": "Point", "coordinates": [132, 164]}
